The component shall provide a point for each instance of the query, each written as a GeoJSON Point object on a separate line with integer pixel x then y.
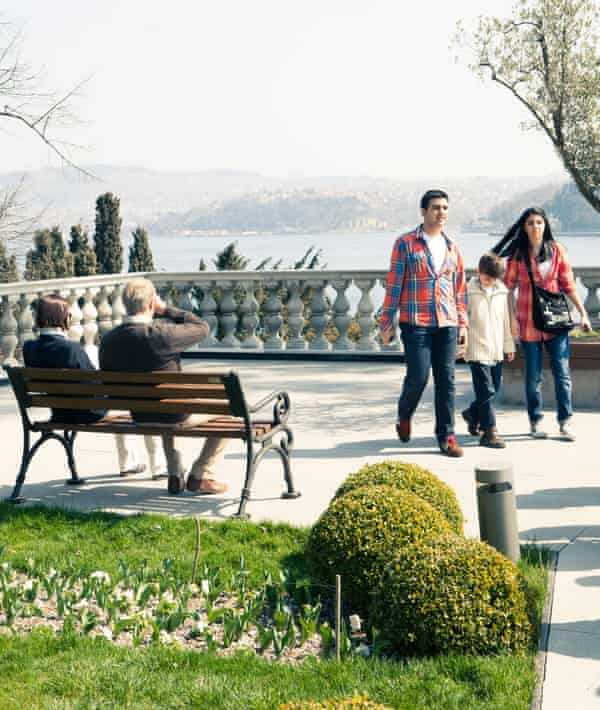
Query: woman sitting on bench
{"type": "Point", "coordinates": [53, 349]}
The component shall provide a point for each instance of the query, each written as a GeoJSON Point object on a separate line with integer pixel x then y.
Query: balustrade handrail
{"type": "Point", "coordinates": [338, 313]}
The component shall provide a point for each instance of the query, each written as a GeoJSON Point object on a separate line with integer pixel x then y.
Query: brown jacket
{"type": "Point", "coordinates": [143, 347]}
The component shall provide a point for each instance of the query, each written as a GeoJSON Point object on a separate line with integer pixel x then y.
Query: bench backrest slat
{"type": "Point", "coordinates": [132, 378]}
{"type": "Point", "coordinates": [100, 389]}
{"type": "Point", "coordinates": [172, 406]}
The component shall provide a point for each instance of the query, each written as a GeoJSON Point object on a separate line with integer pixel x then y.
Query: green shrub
{"type": "Point", "coordinates": [409, 476]}
{"type": "Point", "coordinates": [453, 595]}
{"type": "Point", "coordinates": [360, 532]}
{"type": "Point", "coordinates": [358, 702]}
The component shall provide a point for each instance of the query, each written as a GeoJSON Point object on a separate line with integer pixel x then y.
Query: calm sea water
{"type": "Point", "coordinates": [340, 251]}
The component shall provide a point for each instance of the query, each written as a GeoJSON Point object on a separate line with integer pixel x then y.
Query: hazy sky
{"type": "Point", "coordinates": [280, 87]}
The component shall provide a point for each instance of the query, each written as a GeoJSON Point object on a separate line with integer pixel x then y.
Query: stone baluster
{"type": "Point", "coordinates": [118, 309]}
{"type": "Point", "coordinates": [90, 315]}
{"type": "Point", "coordinates": [104, 311]}
{"type": "Point", "coordinates": [273, 319]}
{"type": "Point", "coordinates": [25, 319]}
{"type": "Point", "coordinates": [228, 315]}
{"type": "Point", "coordinates": [184, 296]}
{"type": "Point", "coordinates": [249, 318]}
{"type": "Point", "coordinates": [366, 316]}
{"type": "Point", "coordinates": [208, 310]}
{"type": "Point", "coordinates": [319, 315]}
{"type": "Point", "coordinates": [8, 334]}
{"type": "Point", "coordinates": [341, 315]}
{"type": "Point", "coordinates": [75, 327]}
{"type": "Point", "coordinates": [295, 319]}
{"type": "Point", "coordinates": [592, 303]}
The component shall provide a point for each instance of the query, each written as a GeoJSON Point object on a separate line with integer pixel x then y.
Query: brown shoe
{"type": "Point", "coordinates": [451, 448]}
{"type": "Point", "coordinates": [491, 439]}
{"type": "Point", "coordinates": [403, 429]}
{"type": "Point", "coordinates": [472, 425]}
{"type": "Point", "coordinates": [205, 486]}
{"type": "Point", "coordinates": [140, 468]}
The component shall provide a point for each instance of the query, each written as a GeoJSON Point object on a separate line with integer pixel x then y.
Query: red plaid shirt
{"type": "Point", "coordinates": [559, 278]}
{"type": "Point", "coordinates": [421, 296]}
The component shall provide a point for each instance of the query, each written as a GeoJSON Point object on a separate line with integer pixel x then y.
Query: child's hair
{"type": "Point", "coordinates": [491, 265]}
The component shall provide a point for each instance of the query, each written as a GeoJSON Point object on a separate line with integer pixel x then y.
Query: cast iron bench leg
{"type": "Point", "coordinates": [69, 443]}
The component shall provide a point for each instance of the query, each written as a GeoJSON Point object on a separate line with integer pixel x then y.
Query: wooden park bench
{"type": "Point", "coordinates": [218, 394]}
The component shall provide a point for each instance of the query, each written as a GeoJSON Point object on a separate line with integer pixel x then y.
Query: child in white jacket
{"type": "Point", "coordinates": [489, 340]}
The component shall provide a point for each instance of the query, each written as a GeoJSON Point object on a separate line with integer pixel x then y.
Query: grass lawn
{"type": "Point", "coordinates": [45, 671]}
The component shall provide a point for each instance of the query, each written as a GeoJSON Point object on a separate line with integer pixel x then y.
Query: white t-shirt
{"type": "Point", "coordinates": [438, 247]}
{"type": "Point", "coordinates": [544, 267]}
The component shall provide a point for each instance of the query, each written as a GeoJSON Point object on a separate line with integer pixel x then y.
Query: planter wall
{"type": "Point", "coordinates": [585, 375]}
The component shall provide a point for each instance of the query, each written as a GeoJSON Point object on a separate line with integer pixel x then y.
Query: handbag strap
{"type": "Point", "coordinates": [529, 271]}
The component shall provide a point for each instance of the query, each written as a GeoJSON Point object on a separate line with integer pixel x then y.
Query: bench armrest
{"type": "Point", "coordinates": [281, 407]}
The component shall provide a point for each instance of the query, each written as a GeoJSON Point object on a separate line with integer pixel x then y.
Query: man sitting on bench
{"type": "Point", "coordinates": [141, 344]}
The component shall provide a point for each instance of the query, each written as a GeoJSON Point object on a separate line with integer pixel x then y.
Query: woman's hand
{"type": "Point", "coordinates": [514, 328]}
{"type": "Point", "coordinates": [510, 357]}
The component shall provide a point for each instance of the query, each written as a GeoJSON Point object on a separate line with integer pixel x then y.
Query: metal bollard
{"type": "Point", "coordinates": [497, 508]}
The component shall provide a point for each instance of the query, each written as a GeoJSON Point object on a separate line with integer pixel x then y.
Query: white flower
{"type": "Point", "coordinates": [168, 596]}
{"type": "Point", "coordinates": [51, 572]}
{"type": "Point", "coordinates": [129, 594]}
{"type": "Point", "coordinates": [205, 587]}
{"type": "Point", "coordinates": [107, 633]}
{"type": "Point", "coordinates": [198, 627]}
{"type": "Point", "coordinates": [82, 604]}
{"type": "Point", "coordinates": [28, 586]}
{"type": "Point", "coordinates": [355, 623]}
{"type": "Point", "coordinates": [100, 576]}
{"type": "Point", "coordinates": [164, 636]}
{"type": "Point", "coordinates": [5, 566]}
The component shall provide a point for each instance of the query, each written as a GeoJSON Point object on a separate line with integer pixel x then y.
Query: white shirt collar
{"type": "Point", "coordinates": [138, 318]}
{"type": "Point", "coordinates": [53, 331]}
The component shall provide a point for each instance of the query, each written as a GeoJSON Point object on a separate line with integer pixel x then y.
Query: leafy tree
{"type": "Point", "coordinates": [84, 257]}
{"type": "Point", "coordinates": [61, 258]}
{"type": "Point", "coordinates": [546, 55]}
{"type": "Point", "coordinates": [202, 265]}
{"type": "Point", "coordinates": [107, 237]}
{"type": "Point", "coordinates": [8, 265]}
{"type": "Point", "coordinates": [39, 263]}
{"type": "Point", "coordinates": [230, 260]}
{"type": "Point", "coordinates": [140, 254]}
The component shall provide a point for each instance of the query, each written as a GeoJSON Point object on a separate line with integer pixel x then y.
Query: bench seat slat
{"type": "Point", "coordinates": [161, 377]}
{"type": "Point", "coordinates": [121, 391]}
{"type": "Point", "coordinates": [122, 424]}
{"type": "Point", "coordinates": [170, 406]}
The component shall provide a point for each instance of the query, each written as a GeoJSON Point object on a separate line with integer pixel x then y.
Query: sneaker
{"type": "Point", "coordinates": [537, 433]}
{"type": "Point", "coordinates": [403, 429]}
{"type": "Point", "coordinates": [566, 433]}
{"type": "Point", "coordinates": [472, 425]}
{"type": "Point", "coordinates": [451, 448]}
{"type": "Point", "coordinates": [138, 468]}
{"type": "Point", "coordinates": [491, 439]}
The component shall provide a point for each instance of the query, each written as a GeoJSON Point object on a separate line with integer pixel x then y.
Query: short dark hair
{"type": "Point", "coordinates": [432, 195]}
{"type": "Point", "coordinates": [52, 312]}
{"type": "Point", "coordinates": [491, 265]}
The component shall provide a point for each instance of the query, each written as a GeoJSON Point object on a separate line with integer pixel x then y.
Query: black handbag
{"type": "Point", "coordinates": [551, 312]}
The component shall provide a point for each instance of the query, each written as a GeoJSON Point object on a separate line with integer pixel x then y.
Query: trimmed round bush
{"type": "Point", "coordinates": [361, 532]}
{"type": "Point", "coordinates": [409, 476]}
{"type": "Point", "coordinates": [453, 595]}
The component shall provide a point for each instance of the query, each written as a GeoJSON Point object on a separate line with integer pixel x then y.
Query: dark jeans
{"type": "Point", "coordinates": [486, 382]}
{"type": "Point", "coordinates": [425, 349]}
{"type": "Point", "coordinates": [558, 350]}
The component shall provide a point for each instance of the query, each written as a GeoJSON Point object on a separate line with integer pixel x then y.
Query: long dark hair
{"type": "Point", "coordinates": [515, 241]}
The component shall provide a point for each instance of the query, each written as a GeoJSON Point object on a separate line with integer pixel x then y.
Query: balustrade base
{"type": "Point", "coordinates": [304, 355]}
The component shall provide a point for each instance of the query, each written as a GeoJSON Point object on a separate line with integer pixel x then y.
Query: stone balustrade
{"type": "Point", "coordinates": [260, 311]}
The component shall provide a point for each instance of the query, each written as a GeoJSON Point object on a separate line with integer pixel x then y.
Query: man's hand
{"type": "Point", "coordinates": [461, 342]}
{"type": "Point", "coordinates": [387, 335]}
{"type": "Point", "coordinates": [510, 357]}
{"type": "Point", "coordinates": [158, 305]}
{"type": "Point", "coordinates": [585, 324]}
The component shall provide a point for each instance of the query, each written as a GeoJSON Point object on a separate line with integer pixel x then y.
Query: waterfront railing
{"type": "Point", "coordinates": [260, 312]}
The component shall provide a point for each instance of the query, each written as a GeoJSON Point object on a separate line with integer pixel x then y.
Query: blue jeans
{"type": "Point", "coordinates": [558, 351]}
{"type": "Point", "coordinates": [486, 382]}
{"type": "Point", "coordinates": [425, 349]}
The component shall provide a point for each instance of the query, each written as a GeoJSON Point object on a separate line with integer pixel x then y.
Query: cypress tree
{"type": "Point", "coordinates": [61, 258]}
{"type": "Point", "coordinates": [84, 257]}
{"type": "Point", "coordinates": [230, 260]}
{"type": "Point", "coordinates": [8, 265]}
{"type": "Point", "coordinates": [39, 263]}
{"type": "Point", "coordinates": [107, 237]}
{"type": "Point", "coordinates": [140, 254]}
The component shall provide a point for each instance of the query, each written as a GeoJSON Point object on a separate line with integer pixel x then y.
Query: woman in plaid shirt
{"type": "Point", "coordinates": [552, 271]}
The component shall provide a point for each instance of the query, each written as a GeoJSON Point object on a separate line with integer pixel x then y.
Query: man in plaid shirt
{"type": "Point", "coordinates": [426, 284]}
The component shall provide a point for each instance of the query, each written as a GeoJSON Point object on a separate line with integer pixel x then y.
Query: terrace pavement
{"type": "Point", "coordinates": [343, 416]}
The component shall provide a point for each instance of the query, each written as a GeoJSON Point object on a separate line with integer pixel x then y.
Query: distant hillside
{"type": "Point", "coordinates": [571, 212]}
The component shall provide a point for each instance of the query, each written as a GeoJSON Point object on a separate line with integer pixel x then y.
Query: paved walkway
{"type": "Point", "coordinates": [343, 417]}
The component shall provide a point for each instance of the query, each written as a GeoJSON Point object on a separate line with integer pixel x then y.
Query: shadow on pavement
{"type": "Point", "coordinates": [556, 498]}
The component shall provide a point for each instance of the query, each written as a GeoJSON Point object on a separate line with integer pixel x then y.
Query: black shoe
{"type": "Point", "coordinates": [176, 483]}
{"type": "Point", "coordinates": [472, 425]}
